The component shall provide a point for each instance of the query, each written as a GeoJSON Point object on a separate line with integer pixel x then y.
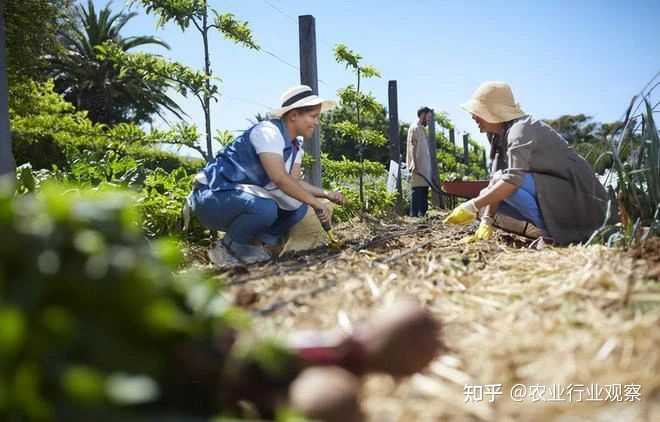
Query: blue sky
{"type": "Point", "coordinates": [560, 57]}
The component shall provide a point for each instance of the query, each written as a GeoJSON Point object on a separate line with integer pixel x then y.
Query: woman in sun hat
{"type": "Point", "coordinates": [252, 190]}
{"type": "Point", "coordinates": [546, 190]}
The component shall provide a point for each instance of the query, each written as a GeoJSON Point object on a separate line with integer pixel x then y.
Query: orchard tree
{"type": "Point", "coordinates": [202, 17]}
{"type": "Point", "coordinates": [364, 103]}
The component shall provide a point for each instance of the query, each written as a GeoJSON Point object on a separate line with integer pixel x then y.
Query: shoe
{"type": "Point", "coordinates": [221, 258]}
{"type": "Point", "coordinates": [247, 254]}
{"type": "Point", "coordinates": [516, 226]}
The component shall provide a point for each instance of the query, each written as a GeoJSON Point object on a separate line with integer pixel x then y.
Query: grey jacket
{"type": "Point", "coordinates": [571, 199]}
{"type": "Point", "coordinates": [418, 156]}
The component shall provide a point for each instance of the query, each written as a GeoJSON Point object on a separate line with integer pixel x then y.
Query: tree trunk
{"type": "Point", "coordinates": [360, 145]}
{"type": "Point", "coordinates": [7, 163]}
{"type": "Point", "coordinates": [207, 95]}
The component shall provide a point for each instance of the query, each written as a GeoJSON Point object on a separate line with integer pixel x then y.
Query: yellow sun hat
{"type": "Point", "coordinates": [493, 101]}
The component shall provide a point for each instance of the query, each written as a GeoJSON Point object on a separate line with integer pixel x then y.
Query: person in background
{"type": "Point", "coordinates": [546, 189]}
{"type": "Point", "coordinates": [418, 161]}
{"type": "Point", "coordinates": [253, 190]}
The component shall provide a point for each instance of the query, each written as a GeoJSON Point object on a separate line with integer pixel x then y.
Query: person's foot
{"type": "Point", "coordinates": [272, 244]}
{"type": "Point", "coordinates": [247, 254]}
{"type": "Point", "coordinates": [221, 258]}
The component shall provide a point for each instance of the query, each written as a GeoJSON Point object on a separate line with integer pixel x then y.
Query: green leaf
{"type": "Point", "coordinates": [84, 384]}
{"type": "Point", "coordinates": [12, 334]}
{"type": "Point", "coordinates": [235, 30]}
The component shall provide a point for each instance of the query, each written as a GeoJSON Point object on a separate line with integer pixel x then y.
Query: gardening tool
{"type": "Point", "coordinates": [333, 242]}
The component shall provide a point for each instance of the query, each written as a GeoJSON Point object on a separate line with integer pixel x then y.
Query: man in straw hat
{"type": "Point", "coordinates": [546, 190]}
{"type": "Point", "coordinates": [253, 191]}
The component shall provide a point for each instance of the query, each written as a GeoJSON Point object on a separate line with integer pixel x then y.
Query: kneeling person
{"type": "Point", "coordinates": [252, 190]}
{"type": "Point", "coordinates": [546, 185]}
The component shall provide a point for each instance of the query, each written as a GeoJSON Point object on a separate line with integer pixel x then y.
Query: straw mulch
{"type": "Point", "coordinates": [562, 318]}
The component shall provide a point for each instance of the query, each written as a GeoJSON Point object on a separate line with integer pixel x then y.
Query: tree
{"type": "Point", "coordinates": [336, 145]}
{"type": "Point", "coordinates": [365, 103]}
{"type": "Point", "coordinates": [93, 83]}
{"type": "Point", "coordinates": [31, 36]}
{"type": "Point", "coordinates": [576, 128]}
{"type": "Point", "coordinates": [590, 139]}
{"type": "Point", "coordinates": [198, 14]}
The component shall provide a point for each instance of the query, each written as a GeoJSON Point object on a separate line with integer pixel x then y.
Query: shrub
{"type": "Point", "coordinates": [96, 326]}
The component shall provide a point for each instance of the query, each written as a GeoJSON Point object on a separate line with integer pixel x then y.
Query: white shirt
{"type": "Point", "coordinates": [267, 138]}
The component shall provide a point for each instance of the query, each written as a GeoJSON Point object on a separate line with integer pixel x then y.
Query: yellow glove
{"type": "Point", "coordinates": [484, 232]}
{"type": "Point", "coordinates": [462, 214]}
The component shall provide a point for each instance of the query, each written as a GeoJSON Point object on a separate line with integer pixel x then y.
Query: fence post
{"type": "Point", "coordinates": [466, 152]}
{"type": "Point", "coordinates": [309, 77]}
{"type": "Point", "coordinates": [483, 153]}
{"type": "Point", "coordinates": [393, 133]}
{"type": "Point", "coordinates": [436, 193]}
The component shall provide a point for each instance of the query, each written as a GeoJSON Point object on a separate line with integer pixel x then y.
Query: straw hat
{"type": "Point", "coordinates": [300, 96]}
{"type": "Point", "coordinates": [493, 102]}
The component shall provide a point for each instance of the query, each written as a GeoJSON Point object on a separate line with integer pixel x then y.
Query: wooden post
{"type": "Point", "coordinates": [395, 144]}
{"type": "Point", "coordinates": [7, 163]}
{"type": "Point", "coordinates": [436, 193]}
{"type": "Point", "coordinates": [452, 140]}
{"type": "Point", "coordinates": [466, 151]}
{"type": "Point", "coordinates": [309, 77]}
{"type": "Point", "coordinates": [483, 154]}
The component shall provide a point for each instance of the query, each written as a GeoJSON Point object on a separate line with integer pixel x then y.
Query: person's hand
{"type": "Point", "coordinates": [336, 197]}
{"type": "Point", "coordinates": [484, 232]}
{"type": "Point", "coordinates": [462, 214]}
{"type": "Point", "coordinates": [323, 213]}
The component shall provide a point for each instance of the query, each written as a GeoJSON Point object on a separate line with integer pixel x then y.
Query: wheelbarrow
{"type": "Point", "coordinates": [463, 189]}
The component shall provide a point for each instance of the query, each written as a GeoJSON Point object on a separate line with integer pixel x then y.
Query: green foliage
{"type": "Point", "coordinates": [343, 175]}
{"type": "Point", "coordinates": [637, 178]}
{"type": "Point", "coordinates": [31, 30]}
{"type": "Point", "coordinates": [161, 201]}
{"type": "Point", "coordinates": [196, 12]}
{"type": "Point", "coordinates": [338, 142]}
{"type": "Point", "coordinates": [235, 30]}
{"type": "Point", "coordinates": [450, 159]}
{"type": "Point", "coordinates": [224, 137]}
{"type": "Point", "coordinates": [63, 144]}
{"type": "Point", "coordinates": [575, 129]}
{"type": "Point", "coordinates": [41, 118]}
{"type": "Point", "coordinates": [345, 170]}
{"type": "Point", "coordinates": [94, 83]}
{"type": "Point", "coordinates": [364, 103]}
{"type": "Point", "coordinates": [590, 139]}
{"type": "Point", "coordinates": [352, 60]}
{"type": "Point", "coordinates": [378, 202]}
{"type": "Point", "coordinates": [152, 67]}
{"type": "Point", "coordinates": [182, 12]}
{"type": "Point", "coordinates": [98, 326]}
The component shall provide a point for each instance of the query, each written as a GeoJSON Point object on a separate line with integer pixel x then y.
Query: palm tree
{"type": "Point", "coordinates": [95, 85]}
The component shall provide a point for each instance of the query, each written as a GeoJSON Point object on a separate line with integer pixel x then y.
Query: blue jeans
{"type": "Point", "coordinates": [243, 216]}
{"type": "Point", "coordinates": [523, 204]}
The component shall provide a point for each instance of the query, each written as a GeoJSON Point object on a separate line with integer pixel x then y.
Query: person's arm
{"type": "Point", "coordinates": [415, 144]}
{"type": "Point", "coordinates": [335, 197]}
{"type": "Point", "coordinates": [495, 194]}
{"type": "Point", "coordinates": [491, 197]}
{"type": "Point", "coordinates": [274, 166]}
{"type": "Point", "coordinates": [411, 149]}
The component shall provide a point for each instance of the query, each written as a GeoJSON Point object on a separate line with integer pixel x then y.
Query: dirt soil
{"type": "Point", "coordinates": [576, 327]}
